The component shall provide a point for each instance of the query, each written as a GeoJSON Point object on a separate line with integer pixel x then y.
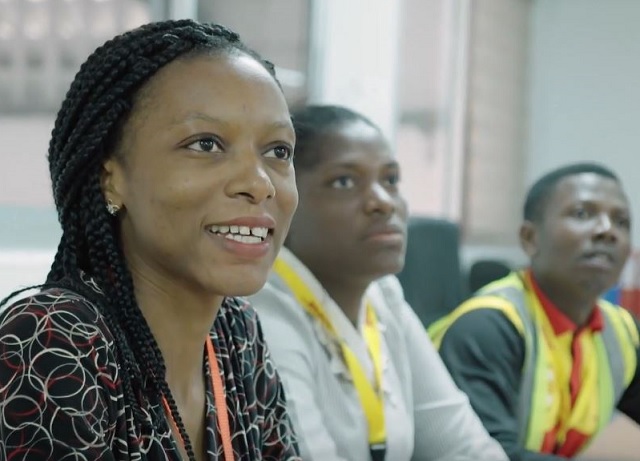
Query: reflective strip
{"type": "Point", "coordinates": [438, 328]}
{"type": "Point", "coordinates": [622, 333]}
{"type": "Point", "coordinates": [614, 353]}
{"type": "Point", "coordinates": [505, 295]}
{"type": "Point", "coordinates": [612, 344]}
{"type": "Point", "coordinates": [512, 291]}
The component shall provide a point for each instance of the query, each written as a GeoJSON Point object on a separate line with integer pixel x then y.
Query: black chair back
{"type": "Point", "coordinates": [432, 277]}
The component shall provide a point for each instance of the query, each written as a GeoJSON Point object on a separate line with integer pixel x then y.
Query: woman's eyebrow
{"type": "Point", "coordinates": [284, 123]}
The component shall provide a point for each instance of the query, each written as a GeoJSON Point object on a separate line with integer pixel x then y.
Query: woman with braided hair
{"type": "Point", "coordinates": [171, 166]}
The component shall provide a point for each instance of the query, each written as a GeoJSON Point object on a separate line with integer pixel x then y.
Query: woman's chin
{"type": "Point", "coordinates": [246, 287]}
{"type": "Point", "coordinates": [388, 265]}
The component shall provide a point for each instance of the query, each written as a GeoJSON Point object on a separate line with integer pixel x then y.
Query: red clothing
{"type": "Point", "coordinates": [567, 331]}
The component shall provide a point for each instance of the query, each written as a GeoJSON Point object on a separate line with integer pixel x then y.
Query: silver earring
{"type": "Point", "coordinates": [112, 208]}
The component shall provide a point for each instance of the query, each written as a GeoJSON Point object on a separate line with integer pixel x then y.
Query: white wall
{"type": "Point", "coordinates": [432, 90]}
{"type": "Point", "coordinates": [585, 88]}
{"type": "Point", "coordinates": [354, 57]}
{"type": "Point", "coordinates": [29, 231]}
{"type": "Point", "coordinates": [24, 172]}
{"type": "Point", "coordinates": [23, 268]}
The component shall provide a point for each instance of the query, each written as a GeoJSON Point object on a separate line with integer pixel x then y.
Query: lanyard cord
{"type": "Point", "coordinates": [370, 398]}
{"type": "Point", "coordinates": [220, 400]}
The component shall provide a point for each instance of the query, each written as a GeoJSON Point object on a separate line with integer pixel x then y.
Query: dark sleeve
{"type": "Point", "coordinates": [56, 377]}
{"type": "Point", "coordinates": [484, 354]}
{"type": "Point", "coordinates": [630, 402]}
{"type": "Point", "coordinates": [278, 438]}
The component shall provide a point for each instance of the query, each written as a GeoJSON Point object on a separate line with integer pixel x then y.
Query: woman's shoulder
{"type": "Point", "coordinates": [276, 300]}
{"type": "Point", "coordinates": [51, 303]}
{"type": "Point", "coordinates": [387, 296]}
{"type": "Point", "coordinates": [246, 316]}
{"type": "Point", "coordinates": [57, 313]}
{"type": "Point", "coordinates": [55, 336]}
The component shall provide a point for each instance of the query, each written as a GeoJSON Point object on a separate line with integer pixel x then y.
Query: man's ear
{"type": "Point", "coordinates": [112, 182]}
{"type": "Point", "coordinates": [529, 238]}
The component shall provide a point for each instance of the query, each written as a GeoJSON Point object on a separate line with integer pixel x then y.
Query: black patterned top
{"type": "Point", "coordinates": [61, 396]}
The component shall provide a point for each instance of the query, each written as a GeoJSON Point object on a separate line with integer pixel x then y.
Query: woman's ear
{"type": "Point", "coordinates": [112, 183]}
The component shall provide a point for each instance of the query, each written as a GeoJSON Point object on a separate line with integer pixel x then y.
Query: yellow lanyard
{"type": "Point", "coordinates": [370, 397]}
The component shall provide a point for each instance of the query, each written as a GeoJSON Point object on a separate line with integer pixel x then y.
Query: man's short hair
{"type": "Point", "coordinates": [539, 193]}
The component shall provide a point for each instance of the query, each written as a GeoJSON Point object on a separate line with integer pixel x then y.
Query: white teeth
{"type": "Point", "coordinates": [243, 238]}
{"type": "Point", "coordinates": [237, 231]}
{"type": "Point", "coordinates": [259, 231]}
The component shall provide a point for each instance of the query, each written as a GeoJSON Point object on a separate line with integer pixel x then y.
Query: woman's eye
{"type": "Point", "coordinates": [343, 182]}
{"type": "Point", "coordinates": [205, 145]}
{"type": "Point", "coordinates": [581, 213]}
{"type": "Point", "coordinates": [280, 152]}
{"type": "Point", "coordinates": [393, 179]}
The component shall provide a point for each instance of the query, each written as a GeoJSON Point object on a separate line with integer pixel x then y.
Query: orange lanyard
{"type": "Point", "coordinates": [220, 403]}
{"type": "Point", "coordinates": [370, 397]}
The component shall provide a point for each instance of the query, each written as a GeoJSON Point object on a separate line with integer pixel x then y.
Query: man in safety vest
{"type": "Point", "coordinates": [545, 361]}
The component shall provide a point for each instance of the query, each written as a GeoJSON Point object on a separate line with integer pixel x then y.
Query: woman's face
{"type": "Point", "coordinates": [351, 221]}
{"type": "Point", "coordinates": [204, 176]}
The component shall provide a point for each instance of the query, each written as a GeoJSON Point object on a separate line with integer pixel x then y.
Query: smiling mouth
{"type": "Point", "coordinates": [242, 234]}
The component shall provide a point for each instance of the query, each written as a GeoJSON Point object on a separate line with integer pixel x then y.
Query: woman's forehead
{"type": "Point", "coordinates": [352, 142]}
{"type": "Point", "coordinates": [221, 87]}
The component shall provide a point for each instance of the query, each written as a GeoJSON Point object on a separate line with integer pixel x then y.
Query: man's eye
{"type": "Point", "coordinates": [280, 152]}
{"type": "Point", "coordinates": [205, 145]}
{"type": "Point", "coordinates": [623, 222]}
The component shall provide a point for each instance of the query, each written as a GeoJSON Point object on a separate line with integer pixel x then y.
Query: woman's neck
{"type": "Point", "coordinates": [347, 293]}
{"type": "Point", "coordinates": [180, 322]}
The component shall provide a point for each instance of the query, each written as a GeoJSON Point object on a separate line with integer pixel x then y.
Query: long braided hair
{"type": "Point", "coordinates": [87, 131]}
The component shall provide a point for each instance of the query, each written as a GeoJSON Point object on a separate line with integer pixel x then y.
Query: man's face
{"type": "Point", "coordinates": [582, 239]}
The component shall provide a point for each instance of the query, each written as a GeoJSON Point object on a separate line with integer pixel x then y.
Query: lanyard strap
{"type": "Point", "coordinates": [220, 400]}
{"type": "Point", "coordinates": [370, 397]}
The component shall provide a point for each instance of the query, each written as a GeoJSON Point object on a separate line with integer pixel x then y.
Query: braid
{"type": "Point", "coordinates": [86, 133]}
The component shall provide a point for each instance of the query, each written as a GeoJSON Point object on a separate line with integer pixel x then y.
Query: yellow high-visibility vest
{"type": "Point", "coordinates": [614, 358]}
